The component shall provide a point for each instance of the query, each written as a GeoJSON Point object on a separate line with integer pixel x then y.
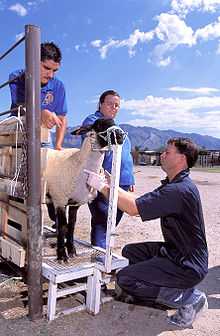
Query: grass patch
{"type": "Point", "coordinates": [208, 170]}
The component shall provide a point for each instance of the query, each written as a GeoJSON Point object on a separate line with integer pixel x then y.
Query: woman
{"type": "Point", "coordinates": [108, 107]}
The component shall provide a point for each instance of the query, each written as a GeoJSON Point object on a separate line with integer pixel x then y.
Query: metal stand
{"type": "Point", "coordinates": [112, 209]}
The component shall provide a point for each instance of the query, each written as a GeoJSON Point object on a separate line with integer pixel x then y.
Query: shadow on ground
{"type": "Point", "coordinates": [211, 286]}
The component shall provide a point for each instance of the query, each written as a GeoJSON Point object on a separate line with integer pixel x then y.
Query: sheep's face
{"type": "Point", "coordinates": [102, 133]}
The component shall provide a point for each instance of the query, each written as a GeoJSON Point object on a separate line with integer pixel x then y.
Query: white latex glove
{"type": "Point", "coordinates": [95, 181]}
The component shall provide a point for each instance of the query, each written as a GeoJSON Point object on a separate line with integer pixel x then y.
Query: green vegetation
{"type": "Point", "coordinates": [208, 169]}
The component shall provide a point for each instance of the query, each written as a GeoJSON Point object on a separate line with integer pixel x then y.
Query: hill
{"type": "Point", "coordinates": [149, 138]}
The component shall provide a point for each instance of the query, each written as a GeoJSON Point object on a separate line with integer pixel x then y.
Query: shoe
{"type": "Point", "coordinates": [121, 295]}
{"type": "Point", "coordinates": [186, 315]}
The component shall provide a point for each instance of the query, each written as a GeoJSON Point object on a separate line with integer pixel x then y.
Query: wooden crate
{"type": "Point", "coordinates": [13, 252]}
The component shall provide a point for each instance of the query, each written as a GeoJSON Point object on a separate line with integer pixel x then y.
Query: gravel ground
{"type": "Point", "coordinates": [116, 318]}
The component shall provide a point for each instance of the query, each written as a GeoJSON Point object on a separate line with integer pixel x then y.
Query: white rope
{"type": "Point", "coordinates": [19, 128]}
{"type": "Point", "coordinates": [111, 130]}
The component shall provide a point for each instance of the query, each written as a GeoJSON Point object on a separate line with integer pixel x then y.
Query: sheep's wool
{"type": "Point", "coordinates": [65, 174]}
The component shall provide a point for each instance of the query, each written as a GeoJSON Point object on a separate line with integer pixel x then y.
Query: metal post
{"type": "Point", "coordinates": [32, 99]}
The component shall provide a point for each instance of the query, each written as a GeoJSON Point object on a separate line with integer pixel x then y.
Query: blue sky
{"type": "Point", "coordinates": [162, 56]}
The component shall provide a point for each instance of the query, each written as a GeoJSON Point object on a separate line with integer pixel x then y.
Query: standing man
{"type": "Point", "coordinates": [53, 96]}
{"type": "Point", "coordinates": [166, 273]}
{"type": "Point", "coordinates": [108, 107]}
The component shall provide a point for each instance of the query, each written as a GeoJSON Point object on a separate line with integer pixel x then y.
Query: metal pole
{"type": "Point", "coordinates": [32, 99]}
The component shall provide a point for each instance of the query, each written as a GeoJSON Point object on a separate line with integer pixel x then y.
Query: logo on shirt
{"type": "Point", "coordinates": [48, 99]}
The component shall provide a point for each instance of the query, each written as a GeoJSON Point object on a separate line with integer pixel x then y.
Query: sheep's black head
{"type": "Point", "coordinates": [106, 130]}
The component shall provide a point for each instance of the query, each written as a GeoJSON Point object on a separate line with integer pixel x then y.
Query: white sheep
{"type": "Point", "coordinates": [66, 179]}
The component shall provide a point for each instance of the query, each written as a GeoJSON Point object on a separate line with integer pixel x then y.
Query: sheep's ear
{"type": "Point", "coordinates": [81, 130]}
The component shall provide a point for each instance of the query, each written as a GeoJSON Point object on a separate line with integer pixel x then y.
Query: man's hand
{"type": "Point", "coordinates": [95, 181]}
{"type": "Point", "coordinates": [50, 119]}
{"type": "Point", "coordinates": [108, 179]}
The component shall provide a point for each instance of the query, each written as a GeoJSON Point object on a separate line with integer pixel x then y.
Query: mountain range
{"type": "Point", "coordinates": [148, 138]}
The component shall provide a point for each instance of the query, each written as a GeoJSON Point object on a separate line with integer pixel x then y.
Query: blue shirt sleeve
{"type": "Point", "coordinates": [88, 121]}
{"type": "Point", "coordinates": [161, 202]}
{"type": "Point", "coordinates": [60, 100]}
{"type": "Point", "coordinates": [17, 88]}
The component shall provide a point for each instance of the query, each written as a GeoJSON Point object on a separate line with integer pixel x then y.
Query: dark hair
{"type": "Point", "coordinates": [187, 147]}
{"type": "Point", "coordinates": [106, 93]}
{"type": "Point", "coordinates": [49, 51]}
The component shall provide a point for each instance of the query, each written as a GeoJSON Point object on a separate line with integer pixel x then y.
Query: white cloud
{"type": "Point", "coordinates": [134, 38]}
{"type": "Point", "coordinates": [202, 90]}
{"type": "Point", "coordinates": [183, 7]}
{"type": "Point", "coordinates": [19, 9]}
{"type": "Point", "coordinates": [172, 31]}
{"type": "Point", "coordinates": [210, 31]}
{"type": "Point", "coordinates": [200, 114]}
{"type": "Point", "coordinates": [164, 62]}
{"type": "Point", "coordinates": [96, 43]}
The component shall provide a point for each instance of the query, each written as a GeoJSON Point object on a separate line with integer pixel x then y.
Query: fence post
{"type": "Point", "coordinates": [32, 98]}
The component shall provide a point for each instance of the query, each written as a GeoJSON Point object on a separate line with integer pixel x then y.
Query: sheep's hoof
{"type": "Point", "coordinates": [71, 251]}
{"type": "Point", "coordinates": [61, 256]}
{"type": "Point", "coordinates": [63, 260]}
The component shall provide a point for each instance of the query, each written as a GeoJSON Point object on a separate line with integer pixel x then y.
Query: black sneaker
{"type": "Point", "coordinates": [186, 315]}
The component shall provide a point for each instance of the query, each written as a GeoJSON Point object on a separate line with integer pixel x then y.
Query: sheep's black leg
{"type": "Point", "coordinates": [50, 207]}
{"type": "Point", "coordinates": [70, 233]}
{"type": "Point", "coordinates": [61, 234]}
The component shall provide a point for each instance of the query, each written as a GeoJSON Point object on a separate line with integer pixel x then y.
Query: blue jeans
{"type": "Point", "coordinates": [99, 213]}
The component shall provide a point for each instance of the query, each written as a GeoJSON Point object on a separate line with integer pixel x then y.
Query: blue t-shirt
{"type": "Point", "coordinates": [179, 207]}
{"type": "Point", "coordinates": [126, 173]}
{"type": "Point", "coordinates": [53, 96]}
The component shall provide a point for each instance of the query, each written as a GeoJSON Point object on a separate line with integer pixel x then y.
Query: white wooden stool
{"type": "Point", "coordinates": [59, 275]}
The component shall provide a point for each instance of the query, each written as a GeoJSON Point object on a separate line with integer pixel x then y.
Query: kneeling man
{"type": "Point", "coordinates": [166, 273]}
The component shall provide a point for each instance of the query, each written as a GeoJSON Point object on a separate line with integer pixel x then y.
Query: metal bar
{"type": "Point", "coordinates": [112, 207]}
{"type": "Point", "coordinates": [32, 99]}
{"type": "Point", "coordinates": [15, 109]}
{"type": "Point", "coordinates": [8, 82]}
{"type": "Point", "coordinates": [11, 48]}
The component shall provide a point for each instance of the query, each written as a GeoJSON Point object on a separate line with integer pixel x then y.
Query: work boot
{"type": "Point", "coordinates": [186, 315]}
{"type": "Point", "coordinates": [121, 295]}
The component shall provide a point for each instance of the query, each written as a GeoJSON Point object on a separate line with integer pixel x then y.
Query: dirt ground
{"type": "Point", "coordinates": [116, 318]}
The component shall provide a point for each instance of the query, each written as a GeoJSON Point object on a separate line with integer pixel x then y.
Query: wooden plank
{"type": "Point", "coordinates": [52, 300]}
{"type": "Point", "coordinates": [45, 135]}
{"type": "Point", "coordinates": [10, 125]}
{"type": "Point", "coordinates": [11, 188]}
{"type": "Point", "coordinates": [71, 290]}
{"type": "Point", "coordinates": [93, 296]}
{"type": "Point", "coordinates": [19, 205]}
{"type": "Point", "coordinates": [5, 161]}
{"type": "Point", "coordinates": [12, 160]}
{"type": "Point", "coordinates": [4, 218]}
{"type": "Point", "coordinates": [19, 216]}
{"type": "Point", "coordinates": [9, 128]}
{"type": "Point", "coordinates": [13, 252]}
{"type": "Point", "coordinates": [11, 140]}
